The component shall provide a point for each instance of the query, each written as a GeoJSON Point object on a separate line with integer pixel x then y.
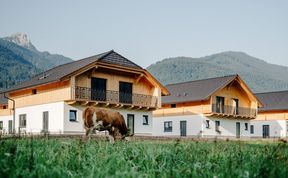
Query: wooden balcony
{"type": "Point", "coordinates": [233, 112]}
{"type": "Point", "coordinates": [114, 98]}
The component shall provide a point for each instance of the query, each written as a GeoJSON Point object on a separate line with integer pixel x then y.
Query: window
{"type": "Point", "coordinates": [125, 92]}
{"type": "Point", "coordinates": [173, 105]}
{"type": "Point", "coordinates": [145, 120]}
{"type": "Point", "coordinates": [251, 129]}
{"type": "Point", "coordinates": [45, 121]}
{"type": "Point", "coordinates": [4, 107]}
{"type": "Point", "coordinates": [217, 126]}
{"type": "Point", "coordinates": [246, 126]}
{"type": "Point", "coordinates": [34, 91]}
{"type": "Point", "coordinates": [98, 89]}
{"type": "Point", "coordinates": [73, 115]}
{"type": "Point", "coordinates": [1, 125]}
{"type": "Point", "coordinates": [220, 104]}
{"type": "Point", "coordinates": [207, 124]}
{"type": "Point", "coordinates": [22, 120]}
{"type": "Point", "coordinates": [168, 126]}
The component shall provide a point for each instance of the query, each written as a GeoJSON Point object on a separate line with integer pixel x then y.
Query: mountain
{"type": "Point", "coordinates": [21, 39]}
{"type": "Point", "coordinates": [20, 60]}
{"type": "Point", "coordinates": [259, 75]}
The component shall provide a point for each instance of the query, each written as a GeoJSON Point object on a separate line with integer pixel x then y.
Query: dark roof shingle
{"type": "Point", "coordinates": [273, 100]}
{"type": "Point", "coordinates": [61, 71]}
{"type": "Point", "coordinates": [195, 90]}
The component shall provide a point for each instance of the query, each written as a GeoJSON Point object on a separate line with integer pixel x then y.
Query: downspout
{"type": "Point", "coordinates": [13, 124]}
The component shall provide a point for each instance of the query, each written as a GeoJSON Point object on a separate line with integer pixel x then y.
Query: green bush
{"type": "Point", "coordinates": [74, 158]}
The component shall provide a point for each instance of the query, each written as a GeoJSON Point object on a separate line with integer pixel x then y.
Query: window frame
{"type": "Point", "coordinates": [145, 120]}
{"type": "Point", "coordinates": [75, 112]}
{"type": "Point", "coordinates": [246, 126]}
{"type": "Point", "coordinates": [170, 126]}
{"type": "Point", "coordinates": [22, 120]}
{"type": "Point", "coordinates": [251, 129]}
{"type": "Point", "coordinates": [207, 124]}
{"type": "Point", "coordinates": [217, 126]}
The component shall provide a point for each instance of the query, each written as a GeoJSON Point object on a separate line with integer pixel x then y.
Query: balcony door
{"type": "Point", "coordinates": [125, 92]}
{"type": "Point", "coordinates": [237, 129]}
{"type": "Point", "coordinates": [235, 106]}
{"type": "Point", "coordinates": [266, 131]}
{"type": "Point", "coordinates": [219, 104]}
{"type": "Point", "coordinates": [183, 128]}
{"type": "Point", "coordinates": [130, 123]}
{"type": "Point", "coordinates": [98, 89]}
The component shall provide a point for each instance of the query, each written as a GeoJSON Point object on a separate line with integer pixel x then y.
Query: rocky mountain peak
{"type": "Point", "coordinates": [21, 39]}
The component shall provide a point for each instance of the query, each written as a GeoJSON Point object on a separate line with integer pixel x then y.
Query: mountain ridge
{"type": "Point", "coordinates": [254, 71]}
{"type": "Point", "coordinates": [15, 50]}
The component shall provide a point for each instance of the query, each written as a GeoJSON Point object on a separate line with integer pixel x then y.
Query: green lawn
{"type": "Point", "coordinates": [74, 158]}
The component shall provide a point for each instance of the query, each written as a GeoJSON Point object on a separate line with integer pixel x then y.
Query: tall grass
{"type": "Point", "coordinates": [74, 158]}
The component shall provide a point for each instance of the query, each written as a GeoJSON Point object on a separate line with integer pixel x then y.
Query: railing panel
{"type": "Point", "coordinates": [232, 110]}
{"type": "Point", "coordinates": [115, 97]}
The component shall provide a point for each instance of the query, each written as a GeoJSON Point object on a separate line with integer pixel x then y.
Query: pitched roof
{"type": "Point", "coordinates": [273, 100]}
{"type": "Point", "coordinates": [195, 90]}
{"type": "Point", "coordinates": [3, 100]}
{"type": "Point", "coordinates": [56, 73]}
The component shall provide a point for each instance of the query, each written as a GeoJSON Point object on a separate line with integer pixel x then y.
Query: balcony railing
{"type": "Point", "coordinates": [115, 97]}
{"type": "Point", "coordinates": [234, 111]}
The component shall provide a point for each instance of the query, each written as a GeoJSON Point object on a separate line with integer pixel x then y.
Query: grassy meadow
{"type": "Point", "coordinates": [40, 157]}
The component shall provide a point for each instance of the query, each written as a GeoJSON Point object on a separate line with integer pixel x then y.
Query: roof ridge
{"type": "Point", "coordinates": [120, 56]}
{"type": "Point", "coordinates": [202, 80]}
{"type": "Point", "coordinates": [74, 61]}
{"type": "Point", "coordinates": [281, 91]}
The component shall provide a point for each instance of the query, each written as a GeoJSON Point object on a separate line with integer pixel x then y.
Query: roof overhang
{"type": "Point", "coordinates": [141, 72]}
{"type": "Point", "coordinates": [243, 86]}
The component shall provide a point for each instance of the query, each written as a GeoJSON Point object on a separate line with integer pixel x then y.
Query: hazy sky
{"type": "Point", "coordinates": [148, 31]}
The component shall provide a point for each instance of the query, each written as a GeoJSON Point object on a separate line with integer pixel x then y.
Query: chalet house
{"type": "Point", "coordinates": [54, 100]}
{"type": "Point", "coordinates": [216, 107]}
{"type": "Point", "coordinates": [272, 119]}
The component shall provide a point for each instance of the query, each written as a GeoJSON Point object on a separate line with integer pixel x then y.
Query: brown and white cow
{"type": "Point", "coordinates": [104, 119]}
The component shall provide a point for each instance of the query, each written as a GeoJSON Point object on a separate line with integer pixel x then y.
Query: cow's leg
{"type": "Point", "coordinates": [111, 135]}
{"type": "Point", "coordinates": [88, 133]}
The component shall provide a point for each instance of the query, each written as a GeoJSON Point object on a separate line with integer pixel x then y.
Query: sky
{"type": "Point", "coordinates": [151, 30]}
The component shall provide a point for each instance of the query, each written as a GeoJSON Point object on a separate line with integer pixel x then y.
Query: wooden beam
{"type": "Point", "coordinates": [131, 107]}
{"type": "Point", "coordinates": [71, 102]}
{"type": "Point", "coordinates": [94, 103]}
{"type": "Point", "coordinates": [138, 78]}
{"type": "Point", "coordinates": [106, 105]}
{"type": "Point", "coordinates": [116, 106]}
{"type": "Point", "coordinates": [84, 103]}
{"type": "Point", "coordinates": [92, 71]}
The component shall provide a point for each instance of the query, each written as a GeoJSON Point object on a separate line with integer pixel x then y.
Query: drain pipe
{"type": "Point", "coordinates": [13, 124]}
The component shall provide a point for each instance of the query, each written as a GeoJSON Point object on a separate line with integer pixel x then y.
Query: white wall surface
{"type": "Point", "coordinates": [5, 120]}
{"type": "Point", "coordinates": [278, 128]}
{"type": "Point", "coordinates": [34, 117]}
{"type": "Point", "coordinates": [196, 126]}
{"type": "Point", "coordinates": [139, 128]}
{"type": "Point", "coordinates": [227, 127]}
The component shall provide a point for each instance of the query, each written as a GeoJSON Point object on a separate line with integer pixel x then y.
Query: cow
{"type": "Point", "coordinates": [104, 119]}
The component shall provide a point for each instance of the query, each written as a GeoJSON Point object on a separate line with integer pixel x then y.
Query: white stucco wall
{"type": "Point", "coordinates": [139, 128]}
{"type": "Point", "coordinates": [278, 128]}
{"type": "Point", "coordinates": [227, 127]}
{"type": "Point", "coordinates": [196, 126]}
{"type": "Point", "coordinates": [5, 120]}
{"type": "Point", "coordinates": [34, 117]}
